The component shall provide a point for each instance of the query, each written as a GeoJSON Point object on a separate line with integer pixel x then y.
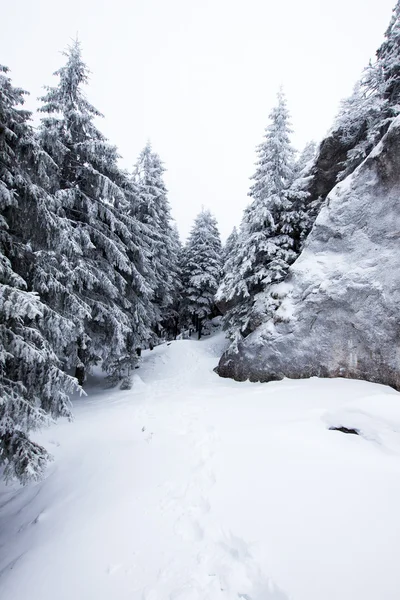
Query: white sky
{"type": "Point", "coordinates": [199, 77]}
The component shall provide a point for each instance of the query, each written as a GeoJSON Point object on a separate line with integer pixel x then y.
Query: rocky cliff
{"type": "Point", "coordinates": [340, 310]}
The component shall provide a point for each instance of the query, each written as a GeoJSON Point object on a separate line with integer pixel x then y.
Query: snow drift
{"type": "Point", "coordinates": [339, 310]}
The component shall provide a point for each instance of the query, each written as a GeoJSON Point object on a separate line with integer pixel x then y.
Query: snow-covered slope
{"type": "Point", "coordinates": [340, 313]}
{"type": "Point", "coordinates": [192, 487]}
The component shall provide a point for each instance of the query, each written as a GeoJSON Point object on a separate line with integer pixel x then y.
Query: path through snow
{"type": "Point", "coordinates": [191, 487]}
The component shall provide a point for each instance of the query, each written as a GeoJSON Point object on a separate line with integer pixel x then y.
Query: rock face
{"type": "Point", "coordinates": [340, 313]}
{"type": "Point", "coordinates": [332, 153]}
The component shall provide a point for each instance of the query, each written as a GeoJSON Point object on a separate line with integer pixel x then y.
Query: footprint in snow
{"type": "Point", "coordinates": [239, 573]}
{"type": "Point", "coordinates": [201, 506]}
{"type": "Point", "coordinates": [206, 478]}
{"type": "Point", "coordinates": [189, 529]}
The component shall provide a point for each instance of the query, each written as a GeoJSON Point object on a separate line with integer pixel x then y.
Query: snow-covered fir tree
{"type": "Point", "coordinates": [173, 320]}
{"type": "Point", "coordinates": [304, 212]}
{"type": "Point", "coordinates": [388, 64]}
{"type": "Point", "coordinates": [306, 159]}
{"type": "Point", "coordinates": [33, 387]}
{"type": "Point", "coordinates": [365, 116]}
{"type": "Point", "coordinates": [229, 247]}
{"type": "Point", "coordinates": [269, 229]}
{"type": "Point", "coordinates": [229, 252]}
{"type": "Point", "coordinates": [106, 272]}
{"type": "Point", "coordinates": [152, 208]}
{"type": "Point", "coordinates": [201, 270]}
{"type": "Point", "coordinates": [360, 119]}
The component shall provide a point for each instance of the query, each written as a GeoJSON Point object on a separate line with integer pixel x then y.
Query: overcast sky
{"type": "Point", "coordinates": [199, 77]}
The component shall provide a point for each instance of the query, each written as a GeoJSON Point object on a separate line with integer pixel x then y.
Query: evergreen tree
{"type": "Point", "coordinates": [173, 321]}
{"type": "Point", "coordinates": [388, 65]}
{"type": "Point", "coordinates": [270, 226]}
{"type": "Point", "coordinates": [228, 258]}
{"type": "Point", "coordinates": [152, 208]}
{"type": "Point", "coordinates": [202, 268]}
{"type": "Point", "coordinates": [360, 119]}
{"type": "Point", "coordinates": [106, 270]}
{"type": "Point", "coordinates": [306, 159]}
{"type": "Point", "coordinates": [365, 116]}
{"type": "Point", "coordinates": [33, 388]}
{"type": "Point", "coordinates": [303, 213]}
{"type": "Point", "coordinates": [229, 248]}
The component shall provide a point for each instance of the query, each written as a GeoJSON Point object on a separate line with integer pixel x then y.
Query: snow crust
{"type": "Point", "coordinates": [194, 487]}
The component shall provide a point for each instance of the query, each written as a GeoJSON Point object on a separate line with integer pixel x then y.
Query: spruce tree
{"type": "Point", "coordinates": [33, 387]}
{"type": "Point", "coordinates": [151, 207]}
{"type": "Point", "coordinates": [202, 268]}
{"type": "Point", "coordinates": [229, 248]}
{"type": "Point", "coordinates": [229, 252]}
{"type": "Point", "coordinates": [388, 65]}
{"type": "Point", "coordinates": [306, 159]}
{"type": "Point", "coordinates": [360, 119]}
{"type": "Point", "coordinates": [107, 270]}
{"type": "Point", "coordinates": [303, 213]}
{"type": "Point", "coordinates": [269, 229]}
{"type": "Point", "coordinates": [365, 116]}
{"type": "Point", "coordinates": [173, 322]}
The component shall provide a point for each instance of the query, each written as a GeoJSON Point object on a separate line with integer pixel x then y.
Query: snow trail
{"type": "Point", "coordinates": [192, 487]}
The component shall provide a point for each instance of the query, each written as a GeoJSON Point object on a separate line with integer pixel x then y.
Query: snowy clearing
{"type": "Point", "coordinates": [192, 487]}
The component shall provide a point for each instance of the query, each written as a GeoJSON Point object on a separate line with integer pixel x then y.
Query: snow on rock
{"type": "Point", "coordinates": [194, 487]}
{"type": "Point", "coordinates": [340, 316]}
{"type": "Point", "coordinates": [376, 419]}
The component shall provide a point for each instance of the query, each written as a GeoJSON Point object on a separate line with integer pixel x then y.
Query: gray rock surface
{"type": "Point", "coordinates": [332, 153]}
{"type": "Point", "coordinates": [340, 311]}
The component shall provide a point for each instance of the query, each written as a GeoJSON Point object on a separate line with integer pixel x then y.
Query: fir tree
{"type": "Point", "coordinates": [107, 268]}
{"type": "Point", "coordinates": [229, 248]}
{"type": "Point", "coordinates": [172, 323]}
{"type": "Point", "coordinates": [269, 229]}
{"type": "Point", "coordinates": [360, 119]}
{"type": "Point", "coordinates": [151, 207]}
{"type": "Point", "coordinates": [306, 159]}
{"type": "Point", "coordinates": [202, 268]}
{"type": "Point", "coordinates": [228, 259]}
{"type": "Point", "coordinates": [388, 64]}
{"type": "Point", "coordinates": [303, 213]}
{"type": "Point", "coordinates": [33, 388]}
{"type": "Point", "coordinates": [365, 116]}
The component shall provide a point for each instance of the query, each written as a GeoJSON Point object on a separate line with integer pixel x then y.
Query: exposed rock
{"type": "Point", "coordinates": [340, 315]}
{"type": "Point", "coordinates": [345, 430]}
{"type": "Point", "coordinates": [332, 153]}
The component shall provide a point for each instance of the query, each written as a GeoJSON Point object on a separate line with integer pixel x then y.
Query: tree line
{"type": "Point", "coordinates": [91, 266]}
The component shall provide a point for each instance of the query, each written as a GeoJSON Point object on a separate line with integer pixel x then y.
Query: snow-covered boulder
{"type": "Point", "coordinates": [340, 312]}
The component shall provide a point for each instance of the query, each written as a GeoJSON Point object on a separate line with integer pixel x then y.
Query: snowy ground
{"type": "Point", "coordinates": [192, 487]}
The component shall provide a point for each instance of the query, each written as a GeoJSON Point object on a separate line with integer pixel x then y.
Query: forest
{"type": "Point", "coordinates": [92, 267]}
{"type": "Point", "coordinates": [194, 417]}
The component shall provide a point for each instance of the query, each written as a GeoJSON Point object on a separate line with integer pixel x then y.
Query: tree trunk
{"type": "Point", "coordinates": [200, 327]}
{"type": "Point", "coordinates": [80, 372]}
{"type": "Point", "coordinates": [176, 329]}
